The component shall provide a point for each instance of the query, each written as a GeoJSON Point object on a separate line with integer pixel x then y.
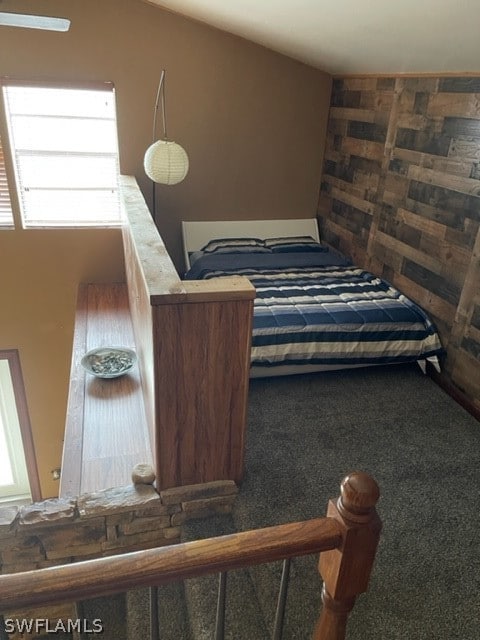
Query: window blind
{"type": "Point", "coordinates": [64, 143]}
{"type": "Point", "coordinates": [6, 216]}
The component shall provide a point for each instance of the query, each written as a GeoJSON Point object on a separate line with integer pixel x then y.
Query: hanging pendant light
{"type": "Point", "coordinates": [165, 162]}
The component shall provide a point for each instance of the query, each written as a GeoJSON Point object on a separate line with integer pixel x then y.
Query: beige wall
{"type": "Point", "coordinates": [39, 275]}
{"type": "Point", "coordinates": [252, 121]}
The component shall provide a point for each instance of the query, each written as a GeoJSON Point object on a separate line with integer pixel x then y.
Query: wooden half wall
{"type": "Point", "coordinates": [400, 193]}
{"type": "Point", "coordinates": [193, 341]}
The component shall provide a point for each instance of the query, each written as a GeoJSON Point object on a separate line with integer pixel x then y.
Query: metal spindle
{"type": "Point", "coordinates": [79, 615]}
{"type": "Point", "coordinates": [3, 631]}
{"type": "Point", "coordinates": [220, 618]}
{"type": "Point", "coordinates": [154, 634]}
{"type": "Point", "coordinates": [282, 600]}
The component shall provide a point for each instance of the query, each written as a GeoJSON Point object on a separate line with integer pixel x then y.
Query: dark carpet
{"type": "Point", "coordinates": [306, 432]}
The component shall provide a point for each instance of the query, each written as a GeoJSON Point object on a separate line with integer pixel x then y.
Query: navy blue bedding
{"type": "Point", "coordinates": [316, 309]}
{"type": "Point", "coordinates": [232, 263]}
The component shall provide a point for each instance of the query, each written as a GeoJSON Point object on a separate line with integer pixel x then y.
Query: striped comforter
{"type": "Point", "coordinates": [333, 315]}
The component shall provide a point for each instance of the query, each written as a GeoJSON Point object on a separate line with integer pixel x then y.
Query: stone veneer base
{"type": "Point", "coordinates": [61, 531]}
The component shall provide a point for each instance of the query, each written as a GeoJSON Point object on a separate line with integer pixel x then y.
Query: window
{"type": "Point", "coordinates": [19, 481]}
{"type": "Point", "coordinates": [6, 216]}
{"type": "Point", "coordinates": [14, 483]}
{"type": "Point", "coordinates": [65, 154]}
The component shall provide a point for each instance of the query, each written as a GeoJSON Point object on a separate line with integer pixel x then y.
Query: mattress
{"type": "Point", "coordinates": [317, 309]}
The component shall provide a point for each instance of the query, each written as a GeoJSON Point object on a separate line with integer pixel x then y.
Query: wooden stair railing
{"type": "Point", "coordinates": [346, 539]}
{"type": "Point", "coordinates": [346, 569]}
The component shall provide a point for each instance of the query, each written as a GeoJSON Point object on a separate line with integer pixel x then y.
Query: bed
{"type": "Point", "coordinates": [314, 309]}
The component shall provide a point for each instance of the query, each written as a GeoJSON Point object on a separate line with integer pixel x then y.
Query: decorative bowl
{"type": "Point", "coordinates": [109, 362]}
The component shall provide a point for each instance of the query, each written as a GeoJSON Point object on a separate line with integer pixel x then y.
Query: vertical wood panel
{"type": "Point", "coordinates": [203, 358]}
{"type": "Point", "coordinates": [423, 193]}
{"type": "Point", "coordinates": [194, 340]}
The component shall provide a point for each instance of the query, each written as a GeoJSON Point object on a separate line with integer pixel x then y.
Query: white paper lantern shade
{"type": "Point", "coordinates": [166, 162]}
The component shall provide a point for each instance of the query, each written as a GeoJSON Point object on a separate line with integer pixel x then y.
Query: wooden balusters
{"type": "Point", "coordinates": [346, 569]}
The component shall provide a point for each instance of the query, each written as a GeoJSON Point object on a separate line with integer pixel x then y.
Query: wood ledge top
{"type": "Point", "coordinates": [161, 278]}
{"type": "Point", "coordinates": [106, 431]}
{"type": "Point", "coordinates": [215, 290]}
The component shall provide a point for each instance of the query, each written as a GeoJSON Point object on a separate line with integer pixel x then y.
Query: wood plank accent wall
{"type": "Point", "coordinates": [400, 194]}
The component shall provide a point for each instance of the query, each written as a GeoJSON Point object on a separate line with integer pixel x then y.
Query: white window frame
{"type": "Point", "coordinates": [66, 193]}
{"type": "Point", "coordinates": [6, 212]}
{"type": "Point", "coordinates": [17, 431]}
{"type": "Point", "coordinates": [19, 488]}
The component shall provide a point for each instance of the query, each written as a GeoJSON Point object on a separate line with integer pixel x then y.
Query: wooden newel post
{"type": "Point", "coordinates": [346, 570]}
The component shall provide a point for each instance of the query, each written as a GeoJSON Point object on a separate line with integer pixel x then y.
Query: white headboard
{"type": "Point", "coordinates": [196, 234]}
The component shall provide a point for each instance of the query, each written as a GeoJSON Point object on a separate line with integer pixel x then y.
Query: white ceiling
{"type": "Point", "coordinates": [353, 36]}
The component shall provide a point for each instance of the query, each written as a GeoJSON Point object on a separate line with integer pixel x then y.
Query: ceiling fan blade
{"type": "Point", "coordinates": [33, 22]}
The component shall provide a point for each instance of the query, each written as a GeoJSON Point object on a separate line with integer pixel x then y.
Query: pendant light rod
{"type": "Point", "coordinates": [160, 95]}
{"type": "Point", "coordinates": [165, 161]}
